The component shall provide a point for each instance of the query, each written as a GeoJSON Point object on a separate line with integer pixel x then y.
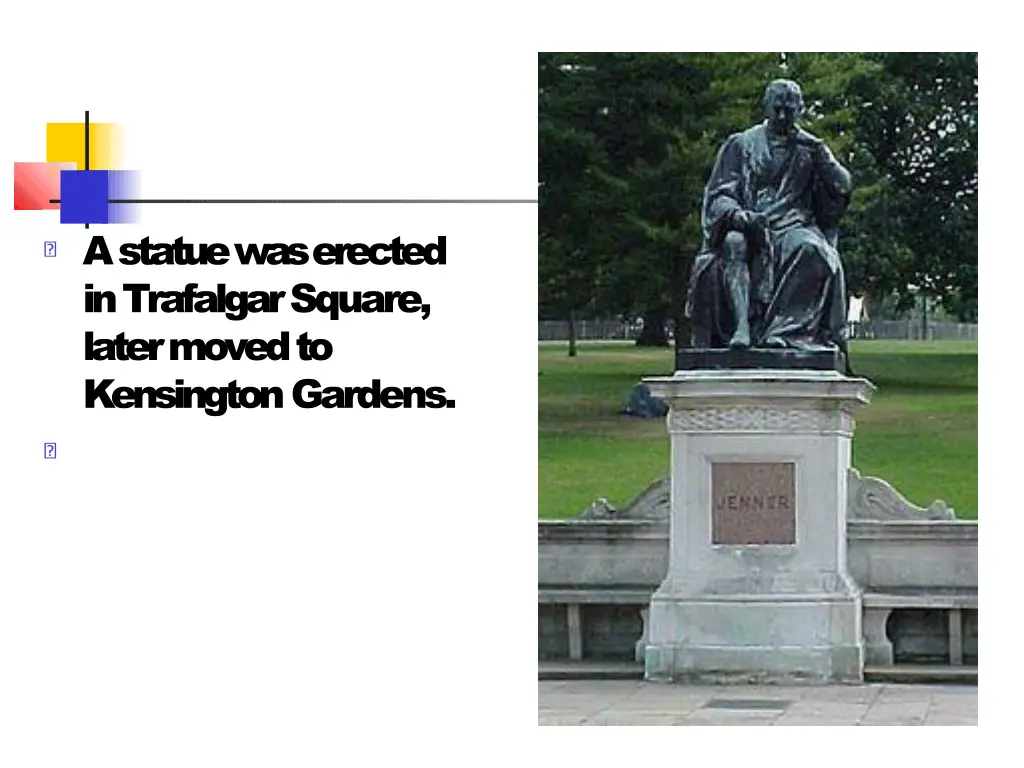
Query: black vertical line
{"type": "Point", "coordinates": [87, 146]}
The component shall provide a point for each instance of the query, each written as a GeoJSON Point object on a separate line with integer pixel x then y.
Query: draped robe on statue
{"type": "Point", "coordinates": [797, 290]}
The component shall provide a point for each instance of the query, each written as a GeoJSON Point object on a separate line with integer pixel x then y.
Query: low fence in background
{"type": "Point", "coordinates": [610, 330]}
{"type": "Point", "coordinates": [911, 329]}
{"type": "Point", "coordinates": [588, 330]}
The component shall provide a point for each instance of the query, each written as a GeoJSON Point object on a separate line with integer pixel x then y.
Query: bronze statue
{"type": "Point", "coordinates": [768, 274]}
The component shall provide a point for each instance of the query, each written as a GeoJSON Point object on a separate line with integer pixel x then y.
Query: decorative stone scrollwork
{"type": "Point", "coordinates": [868, 498]}
{"type": "Point", "coordinates": [653, 503]}
{"type": "Point", "coordinates": [599, 509]}
{"type": "Point", "coordinates": [871, 498]}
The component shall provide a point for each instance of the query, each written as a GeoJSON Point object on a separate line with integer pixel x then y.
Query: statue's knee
{"type": "Point", "coordinates": [734, 246]}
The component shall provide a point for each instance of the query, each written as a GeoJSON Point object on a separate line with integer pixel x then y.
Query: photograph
{"type": "Point", "coordinates": [758, 388]}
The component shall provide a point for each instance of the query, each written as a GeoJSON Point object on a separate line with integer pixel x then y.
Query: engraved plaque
{"type": "Point", "coordinates": [753, 503]}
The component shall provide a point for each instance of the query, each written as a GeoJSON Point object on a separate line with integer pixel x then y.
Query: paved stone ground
{"type": "Point", "coordinates": [628, 702]}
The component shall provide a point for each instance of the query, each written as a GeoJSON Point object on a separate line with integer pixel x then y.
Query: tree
{"type": "Point", "coordinates": [572, 190]}
{"type": "Point", "coordinates": [627, 142]}
{"type": "Point", "coordinates": [915, 224]}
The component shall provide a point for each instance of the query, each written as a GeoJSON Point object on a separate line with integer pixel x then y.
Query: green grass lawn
{"type": "Point", "coordinates": [919, 433]}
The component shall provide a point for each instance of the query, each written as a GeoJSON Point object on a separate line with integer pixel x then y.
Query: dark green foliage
{"type": "Point", "coordinates": [915, 226]}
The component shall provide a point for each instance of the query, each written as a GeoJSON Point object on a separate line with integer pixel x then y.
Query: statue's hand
{"type": "Point", "coordinates": [816, 146]}
{"type": "Point", "coordinates": [805, 139]}
{"type": "Point", "coordinates": [749, 221]}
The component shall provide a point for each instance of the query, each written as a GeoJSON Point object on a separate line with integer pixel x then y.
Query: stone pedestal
{"type": "Point", "coordinates": [757, 586]}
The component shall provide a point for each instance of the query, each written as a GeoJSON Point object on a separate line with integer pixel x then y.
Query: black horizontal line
{"type": "Point", "coordinates": [345, 202]}
{"type": "Point", "coordinates": [320, 201]}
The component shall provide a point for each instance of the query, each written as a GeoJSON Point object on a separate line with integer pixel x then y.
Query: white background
{"type": "Point", "coordinates": [291, 587]}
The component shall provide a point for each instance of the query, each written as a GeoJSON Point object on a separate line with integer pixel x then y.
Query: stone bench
{"type": "Point", "coordinates": [573, 598]}
{"type": "Point", "coordinates": [879, 605]}
{"type": "Point", "coordinates": [917, 568]}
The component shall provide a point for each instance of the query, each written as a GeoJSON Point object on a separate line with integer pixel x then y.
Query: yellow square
{"type": "Point", "coordinates": [65, 143]}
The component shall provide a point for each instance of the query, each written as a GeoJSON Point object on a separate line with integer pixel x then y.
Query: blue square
{"type": "Point", "coordinates": [83, 197]}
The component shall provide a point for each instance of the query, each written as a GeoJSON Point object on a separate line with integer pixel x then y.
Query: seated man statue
{"type": "Point", "coordinates": [768, 274]}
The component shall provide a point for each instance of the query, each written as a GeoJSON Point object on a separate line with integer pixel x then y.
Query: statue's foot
{"type": "Point", "coordinates": [774, 342]}
{"type": "Point", "coordinates": [740, 339]}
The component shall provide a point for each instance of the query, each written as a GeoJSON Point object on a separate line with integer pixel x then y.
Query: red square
{"type": "Point", "coordinates": [36, 184]}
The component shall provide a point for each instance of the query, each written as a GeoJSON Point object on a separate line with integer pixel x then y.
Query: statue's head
{"type": "Point", "coordinates": [783, 103]}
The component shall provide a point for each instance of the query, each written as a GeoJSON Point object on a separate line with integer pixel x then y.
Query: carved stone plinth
{"type": "Point", "coordinates": [757, 586]}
